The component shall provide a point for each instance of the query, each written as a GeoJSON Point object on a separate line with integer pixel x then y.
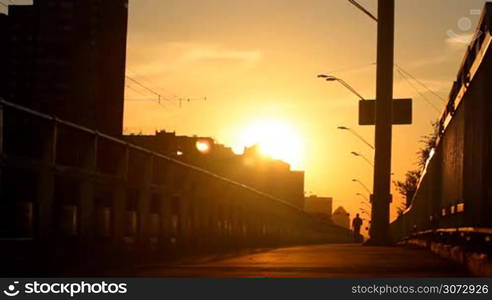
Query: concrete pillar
{"type": "Point", "coordinates": [235, 218]}
{"type": "Point", "coordinates": [185, 213]}
{"type": "Point", "coordinates": [223, 218]}
{"type": "Point", "coordinates": [46, 185]}
{"type": "Point", "coordinates": [119, 198]}
{"type": "Point", "coordinates": [155, 218]}
{"type": "Point", "coordinates": [143, 205]}
{"type": "Point", "coordinates": [212, 204]}
{"type": "Point", "coordinates": [2, 128]}
{"type": "Point", "coordinates": [201, 205]}
{"type": "Point", "coordinates": [184, 225]}
{"type": "Point", "coordinates": [212, 228]}
{"type": "Point", "coordinates": [195, 212]}
{"type": "Point", "coordinates": [166, 232]}
{"type": "Point", "coordinates": [87, 214]}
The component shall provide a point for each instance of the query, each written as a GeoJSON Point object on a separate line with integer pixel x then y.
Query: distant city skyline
{"type": "Point", "coordinates": [257, 61]}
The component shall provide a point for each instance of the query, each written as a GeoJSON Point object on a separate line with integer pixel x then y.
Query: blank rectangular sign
{"type": "Point", "coordinates": [402, 112]}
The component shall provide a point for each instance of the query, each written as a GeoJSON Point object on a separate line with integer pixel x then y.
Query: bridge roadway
{"type": "Point", "coordinates": [334, 260]}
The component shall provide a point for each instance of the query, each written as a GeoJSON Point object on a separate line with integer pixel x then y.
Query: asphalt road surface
{"type": "Point", "coordinates": [335, 260]}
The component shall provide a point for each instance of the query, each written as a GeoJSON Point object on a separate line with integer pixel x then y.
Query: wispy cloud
{"type": "Point", "coordinates": [459, 39]}
{"type": "Point", "coordinates": [204, 53]}
{"type": "Point", "coordinates": [171, 56]}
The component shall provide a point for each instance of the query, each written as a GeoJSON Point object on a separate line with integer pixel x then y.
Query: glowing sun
{"type": "Point", "coordinates": [275, 139]}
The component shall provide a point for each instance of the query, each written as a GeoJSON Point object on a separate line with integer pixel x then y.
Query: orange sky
{"type": "Point", "coordinates": [258, 59]}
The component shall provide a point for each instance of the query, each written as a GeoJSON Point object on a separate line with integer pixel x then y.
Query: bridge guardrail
{"type": "Point", "coordinates": [64, 183]}
{"type": "Point", "coordinates": [454, 188]}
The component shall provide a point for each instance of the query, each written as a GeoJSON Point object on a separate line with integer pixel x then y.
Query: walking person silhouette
{"type": "Point", "coordinates": [356, 225]}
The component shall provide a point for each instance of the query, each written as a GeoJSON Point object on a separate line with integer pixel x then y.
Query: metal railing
{"type": "Point", "coordinates": [447, 196]}
{"type": "Point", "coordinates": [63, 183]}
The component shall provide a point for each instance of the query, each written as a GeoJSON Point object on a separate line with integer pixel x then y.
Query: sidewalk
{"type": "Point", "coordinates": [336, 260]}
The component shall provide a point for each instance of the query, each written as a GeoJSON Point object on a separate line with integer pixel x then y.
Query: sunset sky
{"type": "Point", "coordinates": [256, 62]}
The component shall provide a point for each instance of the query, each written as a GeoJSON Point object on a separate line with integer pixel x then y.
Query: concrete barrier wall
{"type": "Point", "coordinates": [455, 188]}
{"type": "Point", "coordinates": [66, 187]}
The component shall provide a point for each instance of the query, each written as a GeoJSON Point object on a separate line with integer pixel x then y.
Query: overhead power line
{"type": "Point", "coordinates": [145, 80]}
{"type": "Point", "coordinates": [426, 99]}
{"type": "Point", "coordinates": [407, 76]}
{"type": "Point", "coordinates": [159, 96]}
{"type": "Point", "coordinates": [421, 83]}
{"type": "Point", "coordinates": [136, 91]}
{"type": "Point", "coordinates": [154, 92]}
{"type": "Point", "coordinates": [367, 12]}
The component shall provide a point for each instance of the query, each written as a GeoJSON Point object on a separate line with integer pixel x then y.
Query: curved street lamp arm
{"type": "Point", "coordinates": [361, 138]}
{"type": "Point", "coordinates": [350, 88]}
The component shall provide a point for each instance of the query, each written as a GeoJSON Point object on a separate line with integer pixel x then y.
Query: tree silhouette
{"type": "Point", "coordinates": [408, 186]}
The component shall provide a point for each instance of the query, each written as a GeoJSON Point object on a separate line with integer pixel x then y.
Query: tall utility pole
{"type": "Point", "coordinates": [384, 102]}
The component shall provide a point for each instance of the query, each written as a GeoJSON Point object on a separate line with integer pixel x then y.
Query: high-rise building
{"type": "Point", "coordinates": [3, 51]}
{"type": "Point", "coordinates": [67, 58]}
{"type": "Point", "coordinates": [318, 206]}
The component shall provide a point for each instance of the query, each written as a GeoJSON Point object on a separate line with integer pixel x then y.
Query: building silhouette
{"type": "Point", "coordinates": [67, 58]}
{"type": "Point", "coordinates": [320, 207]}
{"type": "Point", "coordinates": [341, 217]}
{"type": "Point", "coordinates": [267, 175]}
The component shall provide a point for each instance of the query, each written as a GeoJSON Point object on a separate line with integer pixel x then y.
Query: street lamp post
{"type": "Point", "coordinates": [363, 9]}
{"type": "Point", "coordinates": [342, 82]}
{"type": "Point", "coordinates": [362, 184]}
{"type": "Point", "coordinates": [364, 197]}
{"type": "Point", "coordinates": [384, 107]}
{"type": "Point", "coordinates": [357, 135]}
{"type": "Point", "coordinates": [383, 136]}
{"type": "Point", "coordinates": [365, 212]}
{"type": "Point", "coordinates": [363, 157]}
